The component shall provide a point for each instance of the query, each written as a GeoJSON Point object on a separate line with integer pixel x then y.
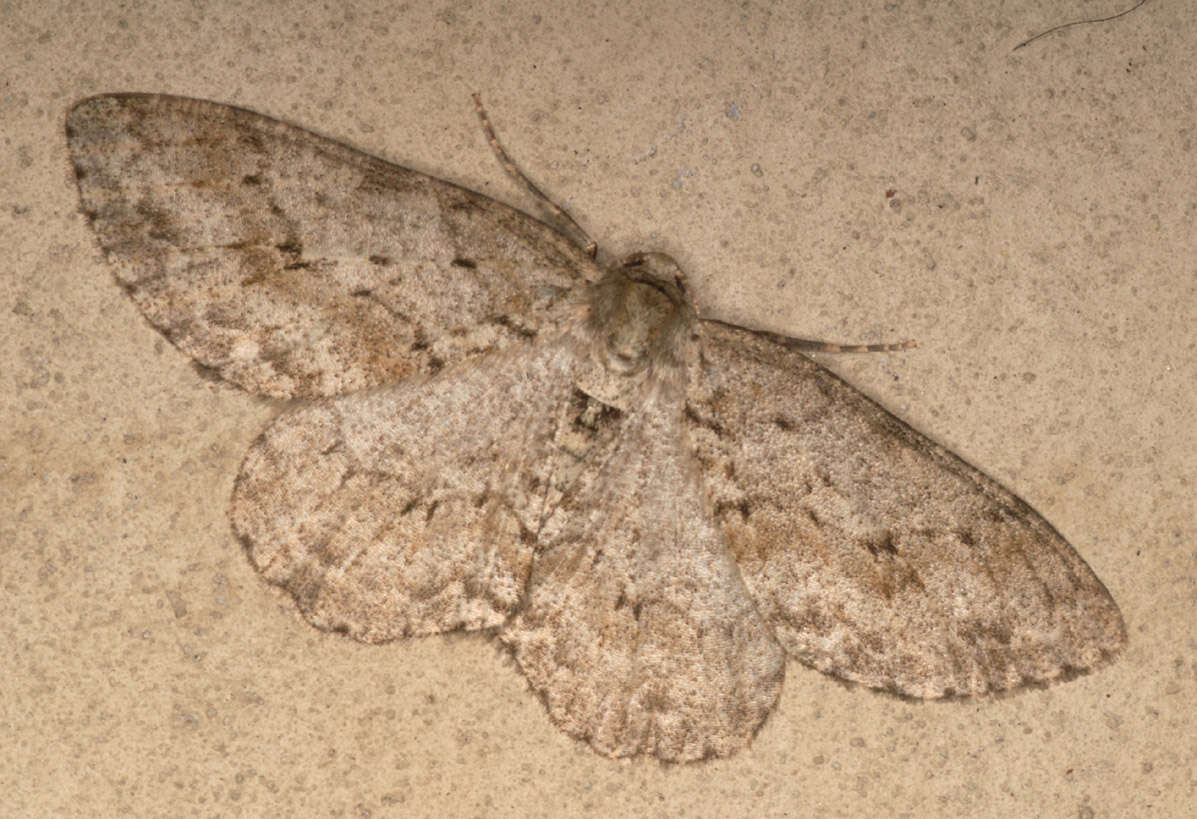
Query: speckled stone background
{"type": "Point", "coordinates": [871, 171]}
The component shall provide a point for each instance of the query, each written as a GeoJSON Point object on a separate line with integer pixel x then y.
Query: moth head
{"type": "Point", "coordinates": [640, 312]}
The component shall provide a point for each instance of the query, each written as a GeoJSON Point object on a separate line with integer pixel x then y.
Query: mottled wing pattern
{"type": "Point", "coordinates": [650, 509]}
{"type": "Point", "coordinates": [295, 266]}
{"type": "Point", "coordinates": [396, 511]}
{"type": "Point", "coordinates": [876, 555]}
{"type": "Point", "coordinates": [637, 631]}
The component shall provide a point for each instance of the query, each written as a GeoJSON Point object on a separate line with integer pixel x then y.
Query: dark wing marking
{"type": "Point", "coordinates": [295, 266]}
{"type": "Point", "coordinates": [877, 555]}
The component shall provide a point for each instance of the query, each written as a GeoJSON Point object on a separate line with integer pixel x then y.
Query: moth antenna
{"type": "Point", "coordinates": [589, 245]}
{"type": "Point", "coordinates": [815, 346]}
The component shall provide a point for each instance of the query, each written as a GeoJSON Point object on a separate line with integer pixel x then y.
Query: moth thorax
{"type": "Point", "coordinates": [638, 312]}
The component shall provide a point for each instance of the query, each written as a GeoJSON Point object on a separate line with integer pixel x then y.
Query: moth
{"type": "Point", "coordinates": [490, 431]}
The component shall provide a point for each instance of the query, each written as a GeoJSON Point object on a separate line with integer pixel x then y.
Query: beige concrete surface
{"type": "Point", "coordinates": [1037, 238]}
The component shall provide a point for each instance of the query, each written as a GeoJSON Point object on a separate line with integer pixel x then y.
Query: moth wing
{"type": "Point", "coordinates": [636, 631]}
{"type": "Point", "coordinates": [875, 554]}
{"type": "Point", "coordinates": [413, 508]}
{"type": "Point", "coordinates": [295, 266]}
